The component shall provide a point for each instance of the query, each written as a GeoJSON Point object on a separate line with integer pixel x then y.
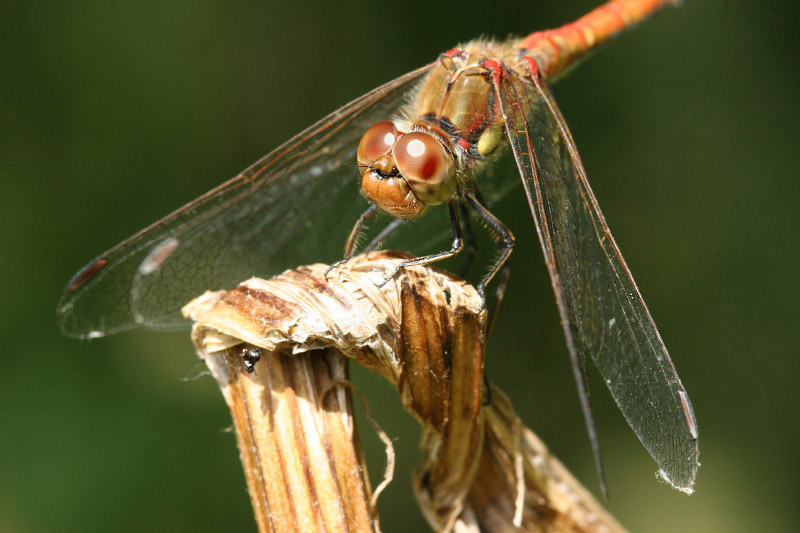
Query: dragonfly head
{"type": "Point", "coordinates": [403, 173]}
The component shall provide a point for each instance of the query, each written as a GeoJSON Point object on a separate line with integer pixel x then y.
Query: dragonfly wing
{"type": "Point", "coordinates": [602, 311]}
{"type": "Point", "coordinates": [296, 205]}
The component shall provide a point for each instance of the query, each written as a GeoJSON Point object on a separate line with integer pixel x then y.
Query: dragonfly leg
{"type": "Point", "coordinates": [457, 246]}
{"type": "Point", "coordinates": [353, 237]}
{"type": "Point", "coordinates": [385, 232]}
{"type": "Point", "coordinates": [487, 391]}
{"type": "Point", "coordinates": [470, 241]}
{"type": "Point", "coordinates": [505, 240]}
{"type": "Point", "coordinates": [505, 274]}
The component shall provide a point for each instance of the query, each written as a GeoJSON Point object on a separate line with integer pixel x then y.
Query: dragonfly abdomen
{"type": "Point", "coordinates": [556, 50]}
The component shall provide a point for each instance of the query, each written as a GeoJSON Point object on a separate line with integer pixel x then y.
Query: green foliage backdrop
{"type": "Point", "coordinates": [114, 113]}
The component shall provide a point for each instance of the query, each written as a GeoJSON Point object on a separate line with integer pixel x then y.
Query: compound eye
{"type": "Point", "coordinates": [376, 141]}
{"type": "Point", "coordinates": [427, 167]}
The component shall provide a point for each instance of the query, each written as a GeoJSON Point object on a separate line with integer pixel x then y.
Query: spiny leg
{"type": "Point", "coordinates": [457, 246]}
{"type": "Point", "coordinates": [351, 239]}
{"type": "Point", "coordinates": [498, 298]}
{"type": "Point", "coordinates": [505, 274]}
{"type": "Point", "coordinates": [384, 234]}
{"type": "Point", "coordinates": [505, 239]}
{"type": "Point", "coordinates": [470, 241]}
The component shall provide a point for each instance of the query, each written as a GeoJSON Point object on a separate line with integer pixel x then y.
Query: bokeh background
{"type": "Point", "coordinates": [114, 113]}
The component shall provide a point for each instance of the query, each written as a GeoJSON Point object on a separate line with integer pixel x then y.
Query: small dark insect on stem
{"type": "Point", "coordinates": [251, 357]}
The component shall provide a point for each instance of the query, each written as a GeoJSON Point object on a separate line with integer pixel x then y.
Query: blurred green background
{"type": "Point", "coordinates": [114, 113]}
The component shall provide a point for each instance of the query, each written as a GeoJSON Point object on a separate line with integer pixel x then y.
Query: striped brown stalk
{"type": "Point", "coordinates": [279, 350]}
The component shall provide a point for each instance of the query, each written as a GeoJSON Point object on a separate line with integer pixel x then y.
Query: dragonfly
{"type": "Point", "coordinates": [425, 139]}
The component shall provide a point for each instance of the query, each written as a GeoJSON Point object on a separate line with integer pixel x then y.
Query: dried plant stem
{"type": "Point", "coordinates": [298, 445]}
{"type": "Point", "coordinates": [482, 470]}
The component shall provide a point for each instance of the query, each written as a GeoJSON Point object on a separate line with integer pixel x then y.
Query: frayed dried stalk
{"type": "Point", "coordinates": [482, 470]}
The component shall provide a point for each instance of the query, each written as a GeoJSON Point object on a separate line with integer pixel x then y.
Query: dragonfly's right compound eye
{"type": "Point", "coordinates": [426, 166]}
{"type": "Point", "coordinates": [376, 141]}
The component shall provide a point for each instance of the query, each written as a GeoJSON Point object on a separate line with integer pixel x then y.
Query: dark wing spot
{"type": "Point", "coordinates": [87, 273]}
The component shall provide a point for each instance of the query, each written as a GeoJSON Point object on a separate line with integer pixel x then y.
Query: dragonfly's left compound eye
{"type": "Point", "coordinates": [428, 168]}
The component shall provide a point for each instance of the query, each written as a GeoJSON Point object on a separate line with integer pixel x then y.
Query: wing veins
{"type": "Point", "coordinates": [631, 356]}
{"type": "Point", "coordinates": [545, 238]}
{"type": "Point", "coordinates": [597, 217]}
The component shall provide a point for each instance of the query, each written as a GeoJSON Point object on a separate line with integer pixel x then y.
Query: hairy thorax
{"type": "Point", "coordinates": [458, 100]}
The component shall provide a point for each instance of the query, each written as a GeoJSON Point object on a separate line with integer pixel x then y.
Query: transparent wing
{"type": "Point", "coordinates": [296, 205]}
{"type": "Point", "coordinates": [601, 308]}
